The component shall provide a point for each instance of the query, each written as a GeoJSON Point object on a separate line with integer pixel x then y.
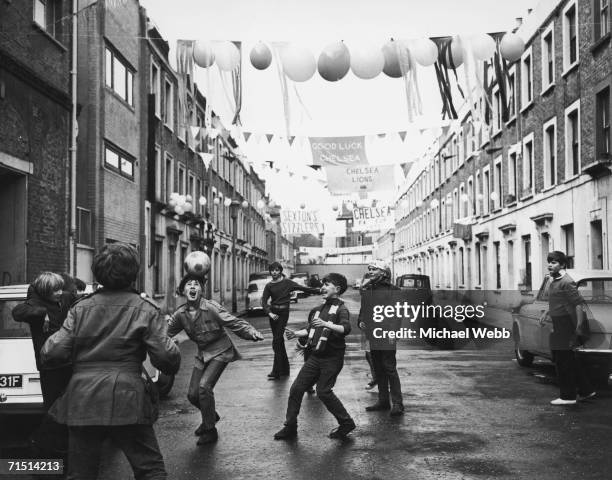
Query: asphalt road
{"type": "Point", "coordinates": [470, 414]}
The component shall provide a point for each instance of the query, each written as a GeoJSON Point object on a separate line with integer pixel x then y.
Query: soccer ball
{"type": "Point", "coordinates": [197, 263]}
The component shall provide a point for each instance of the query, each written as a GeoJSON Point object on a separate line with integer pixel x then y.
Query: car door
{"type": "Point", "coordinates": [532, 321]}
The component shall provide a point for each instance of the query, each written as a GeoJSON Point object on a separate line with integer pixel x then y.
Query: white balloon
{"type": "Point", "coordinates": [260, 204]}
{"type": "Point", "coordinates": [216, 201]}
{"type": "Point", "coordinates": [298, 63]}
{"type": "Point", "coordinates": [227, 56]}
{"type": "Point", "coordinates": [188, 198]}
{"type": "Point", "coordinates": [483, 46]}
{"type": "Point", "coordinates": [202, 201]}
{"type": "Point", "coordinates": [425, 51]}
{"type": "Point", "coordinates": [367, 61]}
{"type": "Point", "coordinates": [227, 202]}
{"type": "Point", "coordinates": [203, 54]}
{"type": "Point", "coordinates": [179, 210]}
{"type": "Point", "coordinates": [245, 204]}
{"type": "Point", "coordinates": [188, 207]}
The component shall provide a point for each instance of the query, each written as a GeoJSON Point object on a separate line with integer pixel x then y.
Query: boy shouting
{"type": "Point", "coordinates": [328, 324]}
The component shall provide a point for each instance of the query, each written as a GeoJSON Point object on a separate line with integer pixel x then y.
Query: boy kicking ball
{"type": "Point", "coordinates": [328, 324]}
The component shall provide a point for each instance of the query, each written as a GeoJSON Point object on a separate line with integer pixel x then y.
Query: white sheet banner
{"type": "Point", "coordinates": [338, 150]}
{"type": "Point", "coordinates": [360, 178]}
{"type": "Point", "coordinates": [297, 222]}
{"type": "Point", "coordinates": [370, 219]}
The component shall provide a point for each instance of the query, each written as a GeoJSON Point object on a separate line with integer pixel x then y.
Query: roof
{"type": "Point", "coordinates": [579, 274]}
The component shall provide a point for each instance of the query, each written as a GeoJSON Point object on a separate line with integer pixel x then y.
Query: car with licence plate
{"type": "Point", "coordinates": [532, 325]}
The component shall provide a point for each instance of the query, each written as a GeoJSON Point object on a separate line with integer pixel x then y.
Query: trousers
{"type": "Point", "coordinates": [280, 366]}
{"type": "Point", "coordinates": [385, 368]}
{"type": "Point", "coordinates": [200, 393]}
{"type": "Point", "coordinates": [571, 375]}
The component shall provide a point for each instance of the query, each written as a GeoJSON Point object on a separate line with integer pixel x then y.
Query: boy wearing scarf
{"type": "Point", "coordinates": [328, 324]}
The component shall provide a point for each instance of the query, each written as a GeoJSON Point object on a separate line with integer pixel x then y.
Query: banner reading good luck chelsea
{"type": "Point", "coordinates": [297, 222]}
{"type": "Point", "coordinates": [340, 151]}
{"type": "Point", "coordinates": [359, 178]}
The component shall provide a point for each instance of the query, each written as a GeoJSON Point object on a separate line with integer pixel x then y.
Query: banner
{"type": "Point", "coordinates": [298, 222]}
{"type": "Point", "coordinates": [371, 219]}
{"type": "Point", "coordinates": [338, 150]}
{"type": "Point", "coordinates": [363, 178]}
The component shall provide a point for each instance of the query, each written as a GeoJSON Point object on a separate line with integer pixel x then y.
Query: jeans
{"type": "Point", "coordinates": [323, 371]}
{"type": "Point", "coordinates": [200, 393]}
{"type": "Point", "coordinates": [571, 374]}
{"type": "Point", "coordinates": [281, 362]}
{"type": "Point", "coordinates": [138, 443]}
{"type": "Point", "coordinates": [385, 368]}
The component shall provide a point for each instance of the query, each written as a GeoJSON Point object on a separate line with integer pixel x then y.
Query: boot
{"type": "Point", "coordinates": [397, 410]}
{"type": "Point", "coordinates": [208, 436]}
{"type": "Point", "coordinates": [200, 430]}
{"type": "Point", "coordinates": [343, 429]}
{"type": "Point", "coordinates": [287, 432]}
{"type": "Point", "coordinates": [378, 406]}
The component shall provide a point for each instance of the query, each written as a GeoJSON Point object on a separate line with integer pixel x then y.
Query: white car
{"type": "Point", "coordinates": [19, 378]}
{"type": "Point", "coordinates": [255, 289]}
{"type": "Point", "coordinates": [532, 325]}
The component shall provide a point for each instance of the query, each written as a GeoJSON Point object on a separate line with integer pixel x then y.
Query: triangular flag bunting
{"type": "Point", "coordinates": [382, 135]}
{"type": "Point", "coordinates": [206, 158]}
{"type": "Point", "coordinates": [406, 168]}
{"type": "Point", "coordinates": [246, 136]}
{"type": "Point", "coordinates": [276, 169]}
{"type": "Point", "coordinates": [194, 131]}
{"type": "Point", "coordinates": [291, 139]}
{"type": "Point", "coordinates": [269, 136]}
{"type": "Point", "coordinates": [315, 167]}
{"type": "Point", "coordinates": [402, 135]}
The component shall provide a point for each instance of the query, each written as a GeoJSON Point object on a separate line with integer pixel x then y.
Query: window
{"type": "Point", "coordinates": [157, 269]}
{"type": "Point", "coordinates": [478, 195]}
{"type": "Point", "coordinates": [497, 110]}
{"type": "Point", "coordinates": [526, 270]}
{"type": "Point", "coordinates": [486, 187]}
{"type": "Point", "coordinates": [156, 87]}
{"type": "Point", "coordinates": [196, 199]}
{"type": "Point", "coordinates": [601, 20]}
{"type": "Point", "coordinates": [570, 36]}
{"type": "Point", "coordinates": [512, 174]}
{"type": "Point", "coordinates": [568, 237]}
{"type": "Point", "coordinates": [48, 14]}
{"type": "Point", "coordinates": [463, 202]}
{"type": "Point", "coordinates": [602, 127]}
{"type": "Point", "coordinates": [497, 266]}
{"type": "Point", "coordinates": [549, 148]}
{"type": "Point", "coordinates": [526, 79]}
{"type": "Point", "coordinates": [470, 199]}
{"type": "Point", "coordinates": [528, 165]}
{"type": "Point", "coordinates": [548, 58]}
{"type": "Point", "coordinates": [169, 177]}
{"type": "Point", "coordinates": [84, 226]}
{"type": "Point", "coordinates": [159, 175]}
{"type": "Point", "coordinates": [191, 190]}
{"type": "Point", "coordinates": [119, 162]}
{"type": "Point", "coordinates": [572, 140]}
{"type": "Point", "coordinates": [181, 180]}
{"type": "Point", "coordinates": [119, 77]}
{"type": "Point", "coordinates": [168, 113]}
{"type": "Point", "coordinates": [497, 184]}
{"type": "Point", "coordinates": [511, 92]}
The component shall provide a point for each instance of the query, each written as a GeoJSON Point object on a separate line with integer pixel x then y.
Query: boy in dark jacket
{"type": "Point", "coordinates": [328, 324]}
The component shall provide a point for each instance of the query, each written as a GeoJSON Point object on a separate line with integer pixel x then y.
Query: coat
{"type": "Point", "coordinates": [108, 334]}
{"type": "Point", "coordinates": [207, 329]}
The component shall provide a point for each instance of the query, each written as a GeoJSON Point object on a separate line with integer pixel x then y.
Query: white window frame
{"type": "Point", "coordinates": [123, 160]}
{"type": "Point", "coordinates": [169, 176]}
{"type": "Point", "coordinates": [498, 182]}
{"type": "Point", "coordinates": [168, 111]}
{"type": "Point", "coordinates": [546, 154]}
{"type": "Point", "coordinates": [567, 65]}
{"type": "Point", "coordinates": [182, 179]}
{"type": "Point", "coordinates": [574, 107]}
{"type": "Point", "coordinates": [513, 173]}
{"type": "Point", "coordinates": [496, 110]}
{"type": "Point", "coordinates": [486, 190]}
{"type": "Point", "coordinates": [547, 83]}
{"type": "Point", "coordinates": [512, 74]}
{"type": "Point", "coordinates": [159, 190]}
{"type": "Point", "coordinates": [528, 139]}
{"type": "Point", "coordinates": [109, 76]}
{"type": "Point", "coordinates": [156, 87]}
{"type": "Point", "coordinates": [525, 101]}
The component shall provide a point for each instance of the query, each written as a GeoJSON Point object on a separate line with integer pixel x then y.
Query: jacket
{"type": "Point", "coordinates": [381, 293]}
{"type": "Point", "coordinates": [207, 330]}
{"type": "Point", "coordinates": [108, 335]}
{"type": "Point", "coordinates": [333, 311]}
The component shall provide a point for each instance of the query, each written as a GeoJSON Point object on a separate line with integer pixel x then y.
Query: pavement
{"type": "Point", "coordinates": [471, 413]}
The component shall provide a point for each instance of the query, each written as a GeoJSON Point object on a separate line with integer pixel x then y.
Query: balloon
{"type": "Point", "coordinates": [261, 56]}
{"type": "Point", "coordinates": [245, 204]}
{"type": "Point", "coordinates": [227, 56]}
{"type": "Point", "coordinates": [425, 51]}
{"type": "Point", "coordinates": [298, 63]}
{"type": "Point", "coordinates": [392, 63]}
{"type": "Point", "coordinates": [272, 204]}
{"type": "Point", "coordinates": [203, 54]}
{"type": "Point", "coordinates": [367, 62]}
{"type": "Point", "coordinates": [188, 207]}
{"type": "Point", "coordinates": [227, 202]}
{"type": "Point", "coordinates": [216, 200]}
{"type": "Point", "coordinates": [202, 201]}
{"type": "Point", "coordinates": [180, 200]}
{"type": "Point", "coordinates": [335, 208]}
{"type": "Point", "coordinates": [483, 46]}
{"type": "Point", "coordinates": [172, 202]}
{"type": "Point", "coordinates": [179, 210]}
{"type": "Point", "coordinates": [511, 47]}
{"type": "Point", "coordinates": [334, 62]}
{"type": "Point", "coordinates": [455, 51]}
{"type": "Point", "coordinates": [260, 204]}
{"type": "Point", "coordinates": [188, 198]}
{"type": "Point", "coordinates": [197, 263]}
{"type": "Point", "coordinates": [303, 206]}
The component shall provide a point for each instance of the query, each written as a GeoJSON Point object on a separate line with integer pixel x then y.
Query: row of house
{"type": "Point", "coordinates": [110, 176]}
{"type": "Point", "coordinates": [482, 210]}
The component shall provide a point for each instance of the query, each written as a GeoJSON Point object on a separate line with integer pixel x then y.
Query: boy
{"type": "Point", "coordinates": [328, 324]}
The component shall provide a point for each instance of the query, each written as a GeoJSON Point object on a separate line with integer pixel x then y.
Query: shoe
{"type": "Point", "coordinates": [287, 432]}
{"type": "Point", "coordinates": [396, 410]}
{"type": "Point", "coordinates": [208, 436]}
{"type": "Point", "coordinates": [560, 401]}
{"type": "Point", "coordinates": [273, 375]}
{"type": "Point", "coordinates": [371, 385]}
{"type": "Point", "coordinates": [284, 374]}
{"type": "Point", "coordinates": [378, 407]}
{"type": "Point", "coordinates": [200, 430]}
{"type": "Point", "coordinates": [343, 430]}
{"type": "Point", "coordinates": [582, 398]}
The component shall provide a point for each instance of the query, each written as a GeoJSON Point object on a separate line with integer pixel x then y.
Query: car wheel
{"type": "Point", "coordinates": [523, 357]}
{"type": "Point", "coordinates": [164, 384]}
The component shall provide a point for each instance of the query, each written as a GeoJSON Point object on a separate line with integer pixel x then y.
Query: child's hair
{"type": "Point", "coordinates": [275, 266]}
{"type": "Point", "coordinates": [187, 278]}
{"type": "Point", "coordinates": [338, 280]}
{"type": "Point", "coordinates": [557, 256]}
{"type": "Point", "coordinates": [47, 283]}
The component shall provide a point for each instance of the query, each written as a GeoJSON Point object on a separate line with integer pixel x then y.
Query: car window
{"type": "Point", "coordinates": [252, 287]}
{"type": "Point", "coordinates": [543, 293]}
{"type": "Point", "coordinates": [596, 291]}
{"type": "Point", "coordinates": [9, 328]}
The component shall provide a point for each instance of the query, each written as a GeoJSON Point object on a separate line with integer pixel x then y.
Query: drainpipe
{"type": "Point", "coordinates": [73, 141]}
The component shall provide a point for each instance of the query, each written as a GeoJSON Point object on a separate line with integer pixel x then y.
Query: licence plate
{"type": "Point", "coordinates": [11, 381]}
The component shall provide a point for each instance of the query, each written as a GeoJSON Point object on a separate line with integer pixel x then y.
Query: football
{"type": "Point", "coordinates": [197, 263]}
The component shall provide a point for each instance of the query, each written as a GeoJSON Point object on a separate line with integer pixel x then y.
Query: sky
{"type": "Point", "coordinates": [348, 107]}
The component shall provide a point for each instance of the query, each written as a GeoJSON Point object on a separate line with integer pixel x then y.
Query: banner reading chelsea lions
{"type": "Point", "coordinates": [359, 178]}
{"type": "Point", "coordinates": [371, 219]}
{"type": "Point", "coordinates": [338, 151]}
{"type": "Point", "coordinates": [297, 222]}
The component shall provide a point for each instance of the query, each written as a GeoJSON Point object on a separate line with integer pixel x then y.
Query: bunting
{"type": "Point", "coordinates": [206, 158]}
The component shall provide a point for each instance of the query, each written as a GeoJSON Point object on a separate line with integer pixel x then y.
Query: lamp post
{"type": "Point", "coordinates": [209, 244]}
{"type": "Point", "coordinates": [392, 236]}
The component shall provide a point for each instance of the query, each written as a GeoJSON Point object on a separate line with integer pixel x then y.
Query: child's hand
{"type": "Point", "coordinates": [273, 316]}
{"type": "Point", "coordinates": [319, 323]}
{"type": "Point", "coordinates": [289, 334]}
{"type": "Point", "coordinates": [257, 337]}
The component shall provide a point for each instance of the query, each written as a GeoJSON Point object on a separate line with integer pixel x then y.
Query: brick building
{"type": "Point", "coordinates": [35, 109]}
{"type": "Point", "coordinates": [484, 209]}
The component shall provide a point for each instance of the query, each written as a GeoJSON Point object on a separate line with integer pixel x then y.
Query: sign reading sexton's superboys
{"type": "Point", "coordinates": [370, 219]}
{"type": "Point", "coordinates": [298, 222]}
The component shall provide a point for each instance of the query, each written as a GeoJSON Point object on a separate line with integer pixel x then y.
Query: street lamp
{"type": "Point", "coordinates": [392, 236]}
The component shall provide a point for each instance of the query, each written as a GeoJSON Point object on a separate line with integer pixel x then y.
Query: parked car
{"type": "Point", "coordinates": [420, 284]}
{"type": "Point", "coordinates": [357, 283]}
{"type": "Point", "coordinates": [302, 279]}
{"type": "Point", "coordinates": [257, 282]}
{"type": "Point", "coordinates": [532, 324]}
